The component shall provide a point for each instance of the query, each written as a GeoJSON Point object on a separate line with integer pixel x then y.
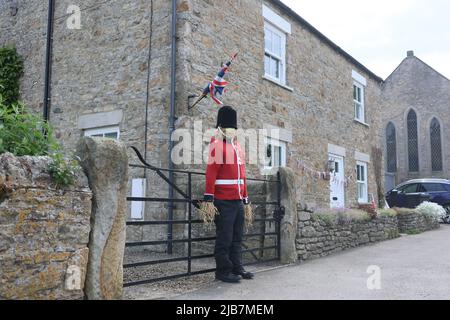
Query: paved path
{"type": "Point", "coordinates": [412, 267]}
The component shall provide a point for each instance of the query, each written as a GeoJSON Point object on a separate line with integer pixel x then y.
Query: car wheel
{"type": "Point", "coordinates": [447, 218]}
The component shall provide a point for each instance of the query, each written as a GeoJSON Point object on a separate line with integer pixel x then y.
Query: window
{"type": "Point", "coordinates": [432, 187]}
{"type": "Point", "coordinates": [409, 188]}
{"type": "Point", "coordinates": [106, 132]}
{"type": "Point", "coordinates": [358, 102]}
{"type": "Point", "coordinates": [336, 168]}
{"type": "Point", "coordinates": [275, 53]}
{"type": "Point", "coordinates": [276, 29]}
{"type": "Point", "coordinates": [413, 142]}
{"type": "Point", "coordinates": [275, 153]}
{"type": "Point", "coordinates": [391, 148]}
{"type": "Point", "coordinates": [436, 145]}
{"type": "Point", "coordinates": [361, 177]}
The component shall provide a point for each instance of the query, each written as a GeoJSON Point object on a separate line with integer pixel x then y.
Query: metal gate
{"type": "Point", "coordinates": [257, 253]}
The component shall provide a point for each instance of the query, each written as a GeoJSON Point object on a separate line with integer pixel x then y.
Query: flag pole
{"type": "Point", "coordinates": [197, 102]}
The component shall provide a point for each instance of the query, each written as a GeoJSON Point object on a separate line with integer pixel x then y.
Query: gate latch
{"type": "Point", "coordinates": [279, 213]}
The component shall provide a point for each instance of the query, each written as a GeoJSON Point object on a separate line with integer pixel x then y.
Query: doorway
{"type": "Point", "coordinates": [337, 182]}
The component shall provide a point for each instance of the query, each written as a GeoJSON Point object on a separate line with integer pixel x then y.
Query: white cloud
{"type": "Point", "coordinates": [378, 33]}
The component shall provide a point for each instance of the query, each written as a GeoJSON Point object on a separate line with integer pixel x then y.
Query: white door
{"type": "Point", "coordinates": [337, 183]}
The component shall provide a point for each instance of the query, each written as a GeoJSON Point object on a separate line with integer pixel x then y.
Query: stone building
{"type": "Point", "coordinates": [416, 117]}
{"type": "Point", "coordinates": [111, 76]}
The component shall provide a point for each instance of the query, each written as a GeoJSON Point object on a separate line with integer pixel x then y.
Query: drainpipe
{"type": "Point", "coordinates": [149, 61]}
{"type": "Point", "coordinates": [172, 120]}
{"type": "Point", "coordinates": [48, 60]}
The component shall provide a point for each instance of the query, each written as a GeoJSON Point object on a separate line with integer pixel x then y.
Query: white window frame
{"type": "Point", "coordinates": [365, 183]}
{"type": "Point", "coordinates": [280, 26]}
{"type": "Point", "coordinates": [281, 59]}
{"type": "Point", "coordinates": [361, 103]}
{"type": "Point", "coordinates": [283, 151]}
{"type": "Point", "coordinates": [102, 131]}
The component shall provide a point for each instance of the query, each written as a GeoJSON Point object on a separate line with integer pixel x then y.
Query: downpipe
{"type": "Point", "coordinates": [172, 123]}
{"type": "Point", "coordinates": [48, 61]}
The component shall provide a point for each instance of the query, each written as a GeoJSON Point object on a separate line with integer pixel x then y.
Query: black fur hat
{"type": "Point", "coordinates": [227, 118]}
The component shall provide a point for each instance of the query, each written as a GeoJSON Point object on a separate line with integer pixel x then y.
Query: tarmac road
{"type": "Point", "coordinates": [411, 267]}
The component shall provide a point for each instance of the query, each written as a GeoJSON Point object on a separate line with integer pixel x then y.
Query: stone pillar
{"type": "Point", "coordinates": [105, 162]}
{"type": "Point", "coordinates": [290, 221]}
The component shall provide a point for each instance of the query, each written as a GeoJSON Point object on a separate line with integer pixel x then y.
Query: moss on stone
{"type": "Point", "coordinates": [413, 232]}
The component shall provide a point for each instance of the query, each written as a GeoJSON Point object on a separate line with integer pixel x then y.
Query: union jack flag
{"type": "Point", "coordinates": [216, 88]}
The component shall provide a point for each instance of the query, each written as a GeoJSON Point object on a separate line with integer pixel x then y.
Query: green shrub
{"type": "Point", "coordinates": [329, 218]}
{"type": "Point", "coordinates": [340, 216]}
{"type": "Point", "coordinates": [431, 211]}
{"type": "Point", "coordinates": [404, 211]}
{"type": "Point", "coordinates": [63, 171]}
{"type": "Point", "coordinates": [352, 215]}
{"type": "Point", "coordinates": [387, 213]}
{"type": "Point", "coordinates": [22, 132]}
{"type": "Point", "coordinates": [11, 70]}
{"type": "Point", "coordinates": [25, 134]}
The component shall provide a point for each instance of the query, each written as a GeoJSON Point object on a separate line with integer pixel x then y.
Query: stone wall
{"type": "Point", "coordinates": [44, 231]}
{"type": "Point", "coordinates": [318, 237]}
{"type": "Point", "coordinates": [410, 222]}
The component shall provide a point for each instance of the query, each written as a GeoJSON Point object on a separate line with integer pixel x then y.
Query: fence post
{"type": "Point", "coordinates": [105, 163]}
{"type": "Point", "coordinates": [288, 233]}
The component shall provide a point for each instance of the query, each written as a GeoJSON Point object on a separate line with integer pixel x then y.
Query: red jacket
{"type": "Point", "coordinates": [225, 173]}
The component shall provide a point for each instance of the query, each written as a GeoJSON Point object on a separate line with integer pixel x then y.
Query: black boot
{"type": "Point", "coordinates": [244, 274]}
{"type": "Point", "coordinates": [228, 277]}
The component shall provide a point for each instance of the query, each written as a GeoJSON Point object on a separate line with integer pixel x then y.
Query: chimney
{"type": "Point", "coordinates": [410, 54]}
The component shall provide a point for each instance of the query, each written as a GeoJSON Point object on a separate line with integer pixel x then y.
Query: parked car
{"type": "Point", "coordinates": [412, 193]}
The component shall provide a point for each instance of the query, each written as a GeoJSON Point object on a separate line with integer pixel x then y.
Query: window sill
{"type": "Point", "coordinates": [269, 171]}
{"type": "Point", "coordinates": [275, 81]}
{"type": "Point", "coordinates": [362, 123]}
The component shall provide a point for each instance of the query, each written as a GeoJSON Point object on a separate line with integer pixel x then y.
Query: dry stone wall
{"type": "Point", "coordinates": [410, 221]}
{"type": "Point", "coordinates": [44, 231]}
{"type": "Point", "coordinates": [318, 238]}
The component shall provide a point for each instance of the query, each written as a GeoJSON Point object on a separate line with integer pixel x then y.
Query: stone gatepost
{"type": "Point", "coordinates": [105, 162]}
{"type": "Point", "coordinates": [289, 223]}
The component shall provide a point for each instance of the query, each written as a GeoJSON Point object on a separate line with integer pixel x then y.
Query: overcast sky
{"type": "Point", "coordinates": [378, 33]}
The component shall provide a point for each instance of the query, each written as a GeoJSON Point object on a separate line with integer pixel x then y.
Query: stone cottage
{"type": "Point", "coordinates": [118, 70]}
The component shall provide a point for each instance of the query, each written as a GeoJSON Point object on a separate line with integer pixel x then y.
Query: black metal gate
{"type": "Point", "coordinates": [187, 198]}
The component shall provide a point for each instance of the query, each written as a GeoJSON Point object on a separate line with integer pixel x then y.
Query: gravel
{"type": "Point", "coordinates": [169, 289]}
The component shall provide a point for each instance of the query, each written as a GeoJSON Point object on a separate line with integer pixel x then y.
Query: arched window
{"type": "Point", "coordinates": [391, 147]}
{"type": "Point", "coordinates": [413, 143]}
{"type": "Point", "coordinates": [436, 145]}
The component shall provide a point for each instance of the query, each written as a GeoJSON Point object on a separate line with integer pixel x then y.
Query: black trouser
{"type": "Point", "coordinates": [229, 232]}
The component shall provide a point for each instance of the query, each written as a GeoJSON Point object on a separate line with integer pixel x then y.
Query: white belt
{"type": "Point", "coordinates": [229, 182]}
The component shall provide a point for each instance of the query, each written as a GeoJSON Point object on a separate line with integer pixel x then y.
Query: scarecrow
{"type": "Point", "coordinates": [226, 200]}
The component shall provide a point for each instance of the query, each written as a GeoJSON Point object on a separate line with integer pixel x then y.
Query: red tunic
{"type": "Point", "coordinates": [225, 173]}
